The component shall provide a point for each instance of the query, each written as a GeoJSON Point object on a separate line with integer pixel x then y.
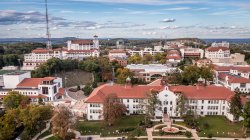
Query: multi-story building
{"type": "Point", "coordinates": [119, 56]}
{"type": "Point", "coordinates": [202, 100]}
{"type": "Point", "coordinates": [173, 56]}
{"type": "Point", "coordinates": [234, 82]}
{"type": "Point", "coordinates": [222, 44]}
{"type": "Point", "coordinates": [192, 53]}
{"type": "Point", "coordinates": [47, 88]}
{"type": "Point", "coordinates": [144, 52]}
{"type": "Point", "coordinates": [202, 62]}
{"type": "Point", "coordinates": [76, 49]}
{"type": "Point", "coordinates": [117, 53]}
{"type": "Point", "coordinates": [218, 54]}
{"type": "Point", "coordinates": [149, 72]}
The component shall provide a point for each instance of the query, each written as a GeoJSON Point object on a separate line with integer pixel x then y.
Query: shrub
{"type": "Point", "coordinates": [209, 135]}
{"type": "Point", "coordinates": [70, 135]}
{"type": "Point", "coordinates": [127, 129]}
{"type": "Point", "coordinates": [206, 125]}
{"type": "Point", "coordinates": [188, 134]}
{"type": "Point", "coordinates": [161, 132]}
{"type": "Point", "coordinates": [78, 87]}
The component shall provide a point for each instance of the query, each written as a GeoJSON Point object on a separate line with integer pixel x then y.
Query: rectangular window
{"type": "Point", "coordinates": [55, 89]}
{"type": "Point", "coordinates": [45, 90]}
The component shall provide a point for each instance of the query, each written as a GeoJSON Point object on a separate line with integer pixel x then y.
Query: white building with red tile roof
{"type": "Point", "coordinates": [234, 82]}
{"type": "Point", "coordinates": [218, 54]}
{"type": "Point", "coordinates": [203, 100]}
{"type": "Point", "coordinates": [48, 89]}
{"type": "Point", "coordinates": [192, 52]}
{"type": "Point", "coordinates": [117, 53]}
{"type": "Point", "coordinates": [173, 56]}
{"type": "Point", "coordinates": [76, 49]}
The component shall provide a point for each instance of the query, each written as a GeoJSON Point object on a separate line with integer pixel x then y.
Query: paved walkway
{"type": "Point", "coordinates": [47, 128]}
{"type": "Point", "coordinates": [149, 133]}
{"type": "Point", "coordinates": [46, 137]}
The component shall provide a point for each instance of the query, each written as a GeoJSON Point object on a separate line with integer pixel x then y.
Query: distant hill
{"type": "Point", "coordinates": [241, 41]}
{"type": "Point", "coordinates": [63, 40]}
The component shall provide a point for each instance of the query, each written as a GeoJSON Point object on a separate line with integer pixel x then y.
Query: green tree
{"type": "Point", "coordinates": [191, 74]}
{"type": "Point", "coordinates": [112, 108]}
{"type": "Point", "coordinates": [206, 72]}
{"type": "Point", "coordinates": [246, 115]}
{"type": "Point", "coordinates": [147, 59]}
{"type": "Point", "coordinates": [94, 84]}
{"type": "Point", "coordinates": [135, 59]}
{"type": "Point", "coordinates": [33, 118]}
{"type": "Point", "coordinates": [175, 77]}
{"type": "Point", "coordinates": [181, 100]}
{"type": "Point", "coordinates": [152, 104]}
{"type": "Point", "coordinates": [89, 65]}
{"type": "Point", "coordinates": [158, 56]}
{"type": "Point", "coordinates": [8, 124]}
{"type": "Point", "coordinates": [236, 106]}
{"type": "Point", "coordinates": [61, 122]}
{"type": "Point", "coordinates": [122, 74]}
{"type": "Point", "coordinates": [14, 100]}
{"type": "Point", "coordinates": [87, 89]}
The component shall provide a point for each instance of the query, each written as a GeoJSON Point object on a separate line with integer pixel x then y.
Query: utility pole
{"type": "Point", "coordinates": [49, 46]}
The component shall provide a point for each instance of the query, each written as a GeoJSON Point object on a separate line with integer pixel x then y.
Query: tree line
{"type": "Point", "coordinates": [24, 120]}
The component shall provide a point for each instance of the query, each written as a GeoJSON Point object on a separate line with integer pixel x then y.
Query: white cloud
{"type": "Point", "coordinates": [178, 8]}
{"type": "Point", "coordinates": [146, 2]}
{"type": "Point", "coordinates": [169, 20]}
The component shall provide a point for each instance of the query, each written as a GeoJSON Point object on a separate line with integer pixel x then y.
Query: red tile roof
{"type": "Point", "coordinates": [117, 51]}
{"type": "Point", "coordinates": [60, 49]}
{"type": "Point", "coordinates": [222, 68]}
{"type": "Point", "coordinates": [177, 57]}
{"type": "Point", "coordinates": [242, 69]}
{"type": "Point", "coordinates": [82, 42]}
{"type": "Point", "coordinates": [233, 79]}
{"type": "Point", "coordinates": [191, 54]}
{"type": "Point", "coordinates": [121, 91]}
{"type": "Point", "coordinates": [80, 51]}
{"type": "Point", "coordinates": [203, 92]}
{"type": "Point", "coordinates": [61, 92]}
{"type": "Point", "coordinates": [215, 49]}
{"type": "Point", "coordinates": [173, 52]}
{"type": "Point", "coordinates": [41, 50]}
{"type": "Point", "coordinates": [33, 82]}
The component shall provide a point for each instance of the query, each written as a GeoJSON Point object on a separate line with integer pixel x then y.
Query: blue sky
{"type": "Point", "coordinates": [126, 18]}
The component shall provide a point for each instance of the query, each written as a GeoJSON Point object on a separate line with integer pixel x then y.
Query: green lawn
{"type": "Point", "coordinates": [171, 139]}
{"type": "Point", "coordinates": [219, 124]}
{"type": "Point", "coordinates": [126, 125]}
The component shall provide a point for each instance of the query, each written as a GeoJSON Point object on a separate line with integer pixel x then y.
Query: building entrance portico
{"type": "Point", "coordinates": [165, 110]}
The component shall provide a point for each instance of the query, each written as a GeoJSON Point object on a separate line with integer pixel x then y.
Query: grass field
{"type": "Point", "coordinates": [219, 124]}
{"type": "Point", "coordinates": [76, 77]}
{"type": "Point", "coordinates": [126, 125]}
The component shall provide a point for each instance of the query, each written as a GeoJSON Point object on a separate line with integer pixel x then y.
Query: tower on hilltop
{"type": "Point", "coordinates": [49, 45]}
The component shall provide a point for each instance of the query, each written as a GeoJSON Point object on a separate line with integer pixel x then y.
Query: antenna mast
{"type": "Point", "coordinates": [49, 46]}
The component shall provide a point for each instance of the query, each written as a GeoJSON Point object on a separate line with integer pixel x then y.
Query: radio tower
{"type": "Point", "coordinates": [49, 46]}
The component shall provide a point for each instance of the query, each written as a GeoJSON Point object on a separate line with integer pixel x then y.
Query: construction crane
{"type": "Point", "coordinates": [49, 45]}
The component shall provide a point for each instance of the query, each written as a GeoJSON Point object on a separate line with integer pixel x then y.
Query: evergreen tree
{"type": "Point", "coordinates": [236, 106]}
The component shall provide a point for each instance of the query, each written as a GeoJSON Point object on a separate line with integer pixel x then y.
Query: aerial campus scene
{"type": "Point", "coordinates": [124, 70]}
